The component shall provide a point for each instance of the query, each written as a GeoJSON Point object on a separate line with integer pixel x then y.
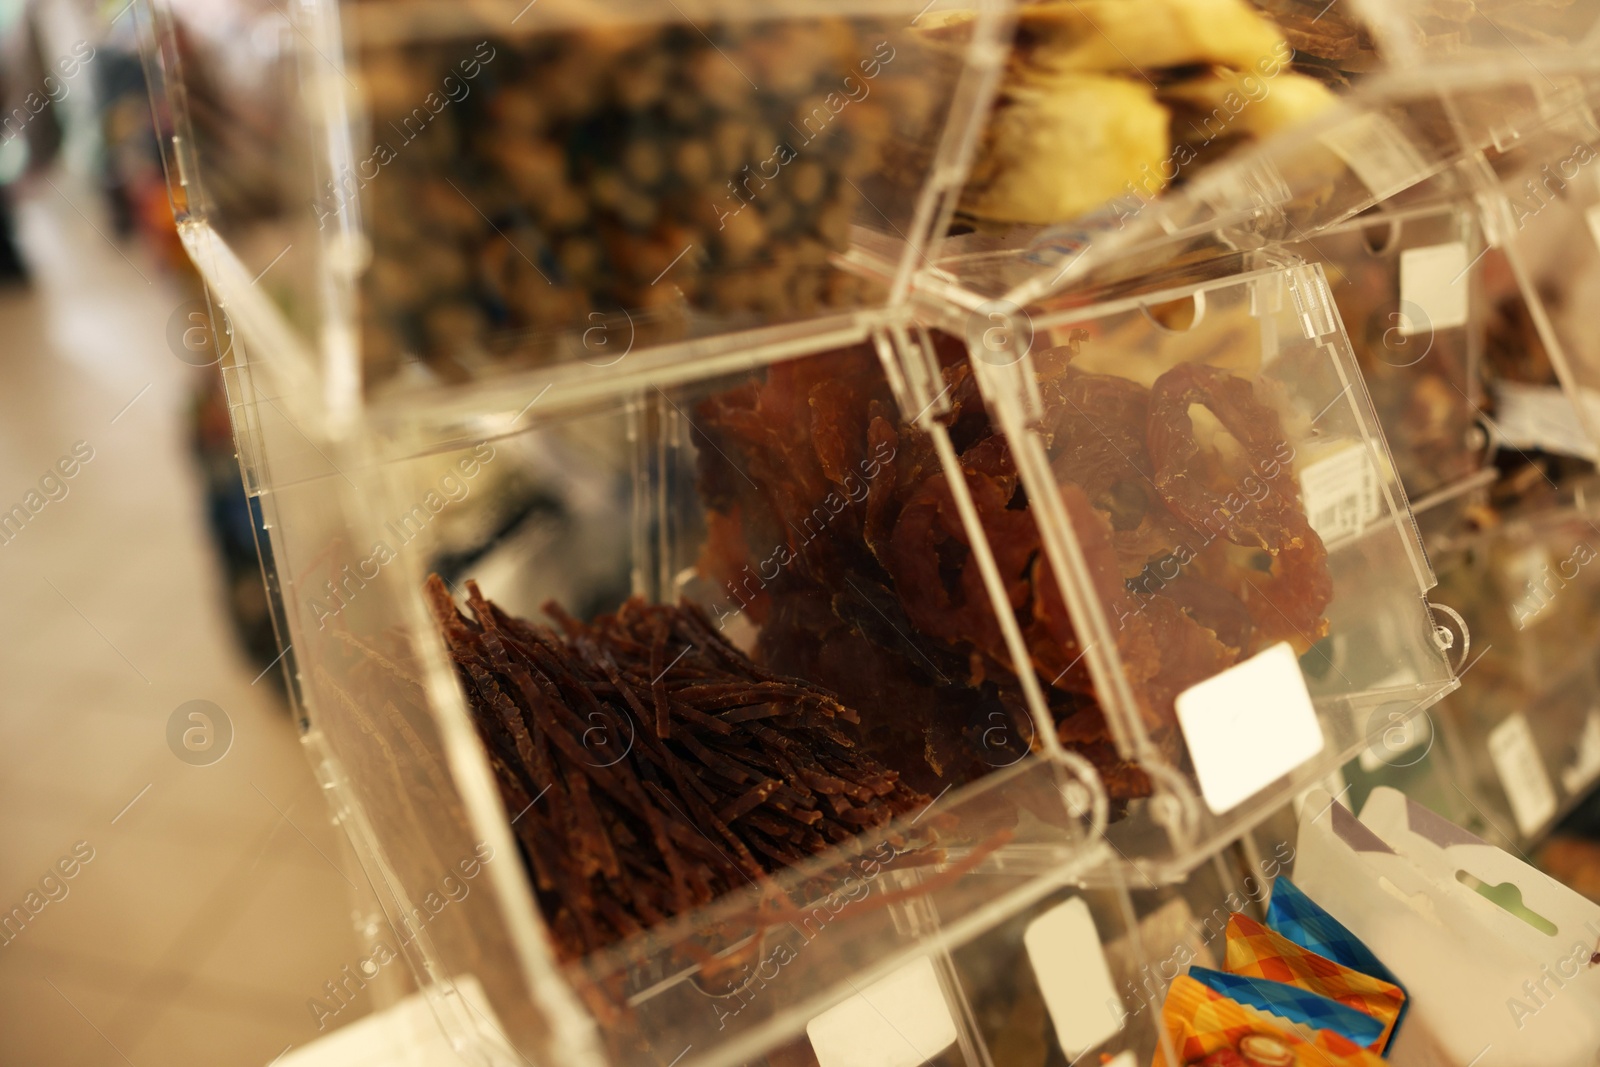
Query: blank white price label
{"type": "Point", "coordinates": [1433, 280]}
{"type": "Point", "coordinates": [1341, 493]}
{"type": "Point", "coordinates": [898, 1021]}
{"type": "Point", "coordinates": [1516, 760]}
{"type": "Point", "coordinates": [1585, 765]}
{"type": "Point", "coordinates": [1064, 950]}
{"type": "Point", "coordinates": [1542, 416]}
{"type": "Point", "coordinates": [1379, 154]}
{"type": "Point", "coordinates": [1249, 726]}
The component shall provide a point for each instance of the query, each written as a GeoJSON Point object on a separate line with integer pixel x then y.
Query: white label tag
{"type": "Point", "coordinates": [901, 1020]}
{"type": "Point", "coordinates": [1249, 726]}
{"type": "Point", "coordinates": [1064, 949]}
{"type": "Point", "coordinates": [1341, 494]}
{"type": "Point", "coordinates": [1540, 416]}
{"type": "Point", "coordinates": [1123, 1059]}
{"type": "Point", "coordinates": [1516, 760]}
{"type": "Point", "coordinates": [1585, 764]}
{"type": "Point", "coordinates": [1433, 280]}
{"type": "Point", "coordinates": [1380, 155]}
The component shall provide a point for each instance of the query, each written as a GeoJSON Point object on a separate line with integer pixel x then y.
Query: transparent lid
{"type": "Point", "coordinates": [1241, 585]}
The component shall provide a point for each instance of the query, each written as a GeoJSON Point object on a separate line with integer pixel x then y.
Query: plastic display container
{"type": "Point", "coordinates": [1216, 507]}
{"type": "Point", "coordinates": [1543, 207]}
{"type": "Point", "coordinates": [693, 490]}
{"type": "Point", "coordinates": [472, 197]}
{"type": "Point", "coordinates": [1407, 287]}
{"type": "Point", "coordinates": [1524, 732]}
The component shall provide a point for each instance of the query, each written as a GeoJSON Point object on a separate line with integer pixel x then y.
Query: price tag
{"type": "Point", "coordinates": [1249, 726]}
{"type": "Point", "coordinates": [1341, 494]}
{"type": "Point", "coordinates": [901, 1020]}
{"type": "Point", "coordinates": [1585, 766]}
{"type": "Point", "coordinates": [1064, 950]}
{"type": "Point", "coordinates": [1433, 280]}
{"type": "Point", "coordinates": [1541, 416]}
{"type": "Point", "coordinates": [1516, 760]}
{"type": "Point", "coordinates": [1377, 152]}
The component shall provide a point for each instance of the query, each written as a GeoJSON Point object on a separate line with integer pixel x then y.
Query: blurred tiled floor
{"type": "Point", "coordinates": [206, 918]}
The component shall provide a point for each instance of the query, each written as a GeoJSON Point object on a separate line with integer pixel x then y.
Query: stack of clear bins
{"type": "Point", "coordinates": [1524, 736]}
{"type": "Point", "coordinates": [589, 303]}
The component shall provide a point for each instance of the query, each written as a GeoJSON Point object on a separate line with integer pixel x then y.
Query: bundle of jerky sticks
{"type": "Point", "coordinates": [654, 765]}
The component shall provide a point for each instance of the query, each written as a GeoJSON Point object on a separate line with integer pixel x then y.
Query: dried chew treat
{"type": "Point", "coordinates": [1105, 100]}
{"type": "Point", "coordinates": [834, 531]}
{"type": "Point", "coordinates": [653, 766]}
{"type": "Point", "coordinates": [611, 181]}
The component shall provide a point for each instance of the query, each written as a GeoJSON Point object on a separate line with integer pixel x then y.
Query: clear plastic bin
{"type": "Point", "coordinates": [700, 490]}
{"type": "Point", "coordinates": [1407, 286]}
{"type": "Point", "coordinates": [1246, 612]}
{"type": "Point", "coordinates": [1543, 207]}
{"type": "Point", "coordinates": [468, 197]}
{"type": "Point", "coordinates": [1524, 731]}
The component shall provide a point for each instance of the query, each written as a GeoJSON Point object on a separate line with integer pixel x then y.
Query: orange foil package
{"type": "Point", "coordinates": [1209, 1030]}
{"type": "Point", "coordinates": [1258, 952]}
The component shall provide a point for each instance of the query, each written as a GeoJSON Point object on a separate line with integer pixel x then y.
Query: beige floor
{"type": "Point", "coordinates": [214, 905]}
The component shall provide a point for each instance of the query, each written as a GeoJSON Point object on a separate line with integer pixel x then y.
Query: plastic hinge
{"type": "Point", "coordinates": [1312, 301]}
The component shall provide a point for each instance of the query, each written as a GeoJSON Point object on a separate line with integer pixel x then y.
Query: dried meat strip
{"type": "Point", "coordinates": [650, 778]}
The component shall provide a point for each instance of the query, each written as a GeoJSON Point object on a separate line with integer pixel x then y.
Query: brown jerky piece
{"type": "Point", "coordinates": [649, 766]}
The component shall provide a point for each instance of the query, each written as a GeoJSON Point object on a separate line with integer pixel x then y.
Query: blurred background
{"type": "Point", "coordinates": [209, 897]}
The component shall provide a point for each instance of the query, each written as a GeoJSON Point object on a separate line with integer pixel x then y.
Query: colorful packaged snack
{"type": "Point", "coordinates": [1208, 1029]}
{"type": "Point", "coordinates": [1293, 1003]}
{"type": "Point", "coordinates": [1302, 920]}
{"type": "Point", "coordinates": [1256, 951]}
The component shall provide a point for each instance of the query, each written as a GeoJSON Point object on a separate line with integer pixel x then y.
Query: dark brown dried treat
{"type": "Point", "coordinates": [641, 790]}
{"type": "Point", "coordinates": [883, 599]}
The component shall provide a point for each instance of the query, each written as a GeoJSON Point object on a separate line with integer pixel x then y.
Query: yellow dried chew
{"type": "Point", "coordinates": [1062, 146]}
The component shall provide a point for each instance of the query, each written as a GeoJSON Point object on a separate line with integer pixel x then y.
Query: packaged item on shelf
{"type": "Point", "coordinates": [1256, 951]}
{"type": "Point", "coordinates": [1208, 1029]}
{"type": "Point", "coordinates": [1293, 915]}
{"type": "Point", "coordinates": [1296, 1004]}
{"type": "Point", "coordinates": [1473, 997]}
